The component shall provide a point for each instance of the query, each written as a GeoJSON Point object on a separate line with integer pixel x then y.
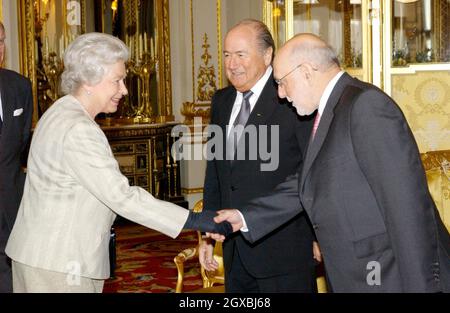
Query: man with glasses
{"type": "Point", "coordinates": [16, 105]}
{"type": "Point", "coordinates": [362, 184]}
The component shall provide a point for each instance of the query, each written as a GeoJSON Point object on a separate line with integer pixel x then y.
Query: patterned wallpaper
{"type": "Point", "coordinates": [425, 100]}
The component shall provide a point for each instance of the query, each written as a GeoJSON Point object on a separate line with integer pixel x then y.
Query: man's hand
{"type": "Point", "coordinates": [231, 216]}
{"type": "Point", "coordinates": [206, 255]}
{"type": "Point", "coordinates": [316, 252]}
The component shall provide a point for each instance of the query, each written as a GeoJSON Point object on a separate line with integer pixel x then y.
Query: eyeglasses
{"type": "Point", "coordinates": [278, 81]}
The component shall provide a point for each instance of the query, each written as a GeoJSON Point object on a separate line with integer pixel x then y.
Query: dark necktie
{"type": "Point", "coordinates": [241, 119]}
{"type": "Point", "coordinates": [1, 126]}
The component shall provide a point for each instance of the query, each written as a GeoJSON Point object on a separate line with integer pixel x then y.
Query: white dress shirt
{"type": "Point", "coordinates": [256, 90]}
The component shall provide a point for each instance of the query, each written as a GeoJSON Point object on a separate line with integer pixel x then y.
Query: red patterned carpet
{"type": "Point", "coordinates": [145, 261]}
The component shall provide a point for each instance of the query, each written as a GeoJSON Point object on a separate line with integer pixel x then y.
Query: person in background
{"type": "Point", "coordinates": [74, 188]}
{"type": "Point", "coordinates": [362, 184]}
{"type": "Point", "coordinates": [16, 111]}
{"type": "Point", "coordinates": [283, 260]}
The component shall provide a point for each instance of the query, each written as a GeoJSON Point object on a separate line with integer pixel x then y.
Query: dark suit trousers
{"type": "Point", "coordinates": [239, 280]}
{"type": "Point", "coordinates": [5, 262]}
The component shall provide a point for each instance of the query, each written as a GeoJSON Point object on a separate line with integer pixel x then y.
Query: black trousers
{"type": "Point", "coordinates": [239, 280]}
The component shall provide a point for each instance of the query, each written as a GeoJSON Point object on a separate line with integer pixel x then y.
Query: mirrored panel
{"type": "Point", "coordinates": [48, 26]}
{"type": "Point", "coordinates": [420, 31]}
{"type": "Point", "coordinates": [338, 22]}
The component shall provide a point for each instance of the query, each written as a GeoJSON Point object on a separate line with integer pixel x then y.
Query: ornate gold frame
{"type": "Point", "coordinates": [270, 20]}
{"type": "Point", "coordinates": [26, 16]}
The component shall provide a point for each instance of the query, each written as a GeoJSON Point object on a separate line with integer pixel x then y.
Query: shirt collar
{"type": "Point", "coordinates": [327, 92]}
{"type": "Point", "coordinates": [259, 86]}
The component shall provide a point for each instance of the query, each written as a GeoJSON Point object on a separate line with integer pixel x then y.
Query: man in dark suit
{"type": "Point", "coordinates": [16, 107]}
{"type": "Point", "coordinates": [362, 184]}
{"type": "Point", "coordinates": [282, 261]}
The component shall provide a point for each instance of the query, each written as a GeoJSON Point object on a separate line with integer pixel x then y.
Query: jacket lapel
{"type": "Point", "coordinates": [263, 108]}
{"type": "Point", "coordinates": [324, 125]}
{"type": "Point", "coordinates": [225, 107]}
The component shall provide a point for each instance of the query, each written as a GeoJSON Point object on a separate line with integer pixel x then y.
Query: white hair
{"type": "Point", "coordinates": [86, 58]}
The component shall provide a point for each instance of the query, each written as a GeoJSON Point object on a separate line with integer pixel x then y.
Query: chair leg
{"type": "Point", "coordinates": [180, 268]}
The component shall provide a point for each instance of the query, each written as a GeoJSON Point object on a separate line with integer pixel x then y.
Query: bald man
{"type": "Point", "coordinates": [282, 261]}
{"type": "Point", "coordinates": [362, 184]}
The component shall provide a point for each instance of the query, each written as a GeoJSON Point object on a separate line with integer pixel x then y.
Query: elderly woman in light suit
{"type": "Point", "coordinates": [74, 188]}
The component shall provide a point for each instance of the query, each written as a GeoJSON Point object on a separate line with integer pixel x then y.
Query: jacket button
{"type": "Point", "coordinates": [315, 226]}
{"type": "Point", "coordinates": [233, 188]}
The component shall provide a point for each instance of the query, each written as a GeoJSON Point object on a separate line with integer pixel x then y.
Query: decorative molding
{"type": "Point", "coordinates": [205, 84]}
{"type": "Point", "coordinates": [27, 53]}
{"type": "Point", "coordinates": [219, 43]}
{"type": "Point", "coordinates": [415, 68]}
{"type": "Point", "coordinates": [206, 78]}
{"type": "Point", "coordinates": [138, 130]}
{"type": "Point", "coordinates": [190, 191]}
{"type": "Point", "coordinates": [423, 99]}
{"type": "Point", "coordinates": [192, 110]}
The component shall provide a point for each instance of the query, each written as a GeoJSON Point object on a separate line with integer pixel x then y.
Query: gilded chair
{"type": "Point", "coordinates": [209, 278]}
{"type": "Point", "coordinates": [437, 170]}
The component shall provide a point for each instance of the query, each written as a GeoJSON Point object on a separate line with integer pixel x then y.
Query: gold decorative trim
{"type": "Point", "coordinates": [219, 43]}
{"type": "Point", "coordinates": [289, 15]}
{"type": "Point", "coordinates": [414, 68]}
{"type": "Point", "coordinates": [366, 43]}
{"type": "Point", "coordinates": [206, 78]}
{"type": "Point", "coordinates": [26, 43]}
{"type": "Point", "coordinates": [1, 10]}
{"type": "Point", "coordinates": [138, 130]}
{"type": "Point", "coordinates": [192, 46]}
{"type": "Point", "coordinates": [190, 191]}
{"type": "Point", "coordinates": [192, 110]}
{"type": "Point", "coordinates": [165, 71]}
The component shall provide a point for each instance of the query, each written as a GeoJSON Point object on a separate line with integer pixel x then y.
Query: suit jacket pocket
{"type": "Point", "coordinates": [371, 245]}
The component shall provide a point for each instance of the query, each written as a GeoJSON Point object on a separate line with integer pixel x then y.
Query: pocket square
{"type": "Point", "coordinates": [18, 112]}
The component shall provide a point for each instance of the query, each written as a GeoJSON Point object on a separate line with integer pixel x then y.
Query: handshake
{"type": "Point", "coordinates": [221, 223]}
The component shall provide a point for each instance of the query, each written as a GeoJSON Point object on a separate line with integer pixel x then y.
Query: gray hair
{"type": "Point", "coordinates": [86, 58]}
{"type": "Point", "coordinates": [317, 52]}
{"type": "Point", "coordinates": [264, 37]}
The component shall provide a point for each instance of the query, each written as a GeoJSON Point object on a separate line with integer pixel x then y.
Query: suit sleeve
{"type": "Point", "coordinates": [265, 214]}
{"type": "Point", "coordinates": [88, 155]}
{"type": "Point", "coordinates": [211, 187]}
{"type": "Point", "coordinates": [388, 156]}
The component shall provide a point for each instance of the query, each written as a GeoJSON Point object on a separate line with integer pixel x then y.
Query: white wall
{"type": "Point", "coordinates": [10, 13]}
